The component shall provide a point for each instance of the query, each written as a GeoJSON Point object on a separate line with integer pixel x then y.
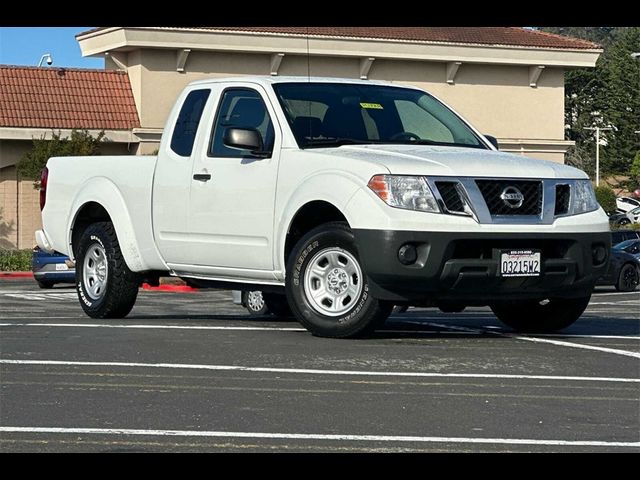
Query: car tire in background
{"type": "Point", "coordinates": [534, 316]}
{"type": "Point", "coordinates": [327, 288]}
{"type": "Point", "coordinates": [44, 284]}
{"type": "Point", "coordinates": [254, 302]}
{"type": "Point", "coordinates": [105, 285]}
{"type": "Point", "coordinates": [628, 278]}
{"type": "Point", "coordinates": [277, 305]}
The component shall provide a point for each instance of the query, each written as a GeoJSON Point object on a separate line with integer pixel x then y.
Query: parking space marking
{"type": "Point", "coordinates": [615, 351]}
{"type": "Point", "coordinates": [619, 302]}
{"type": "Point", "coordinates": [316, 436]}
{"type": "Point", "coordinates": [448, 329]}
{"type": "Point", "coordinates": [308, 371]}
{"type": "Point", "coordinates": [42, 296]}
{"type": "Point", "coordinates": [153, 327]}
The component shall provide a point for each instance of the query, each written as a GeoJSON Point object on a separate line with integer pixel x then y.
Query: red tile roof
{"type": "Point", "coordinates": [476, 35]}
{"type": "Point", "coordinates": [511, 36]}
{"type": "Point", "coordinates": [66, 98]}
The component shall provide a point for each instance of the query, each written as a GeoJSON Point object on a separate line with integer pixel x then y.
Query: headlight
{"type": "Point", "coordinates": [583, 198]}
{"type": "Point", "coordinates": [401, 191]}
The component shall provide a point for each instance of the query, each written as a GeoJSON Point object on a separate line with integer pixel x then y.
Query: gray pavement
{"type": "Point", "coordinates": [193, 372]}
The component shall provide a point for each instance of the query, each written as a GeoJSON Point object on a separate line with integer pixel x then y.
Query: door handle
{"type": "Point", "coordinates": [202, 177]}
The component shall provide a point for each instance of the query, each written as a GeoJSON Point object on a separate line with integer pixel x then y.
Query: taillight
{"type": "Point", "coordinates": [43, 187]}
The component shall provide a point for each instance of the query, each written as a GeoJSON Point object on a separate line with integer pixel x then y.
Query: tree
{"type": "Point", "coordinates": [79, 142]}
{"type": "Point", "coordinates": [635, 169]}
{"type": "Point", "coordinates": [606, 198]}
{"type": "Point", "coordinates": [6, 228]}
{"type": "Point", "coordinates": [608, 94]}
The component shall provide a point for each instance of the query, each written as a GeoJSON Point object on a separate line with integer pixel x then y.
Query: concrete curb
{"type": "Point", "coordinates": [16, 275]}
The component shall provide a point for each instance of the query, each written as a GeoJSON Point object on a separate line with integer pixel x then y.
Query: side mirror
{"type": "Point", "coordinates": [245, 139]}
{"type": "Point", "coordinates": [493, 141]}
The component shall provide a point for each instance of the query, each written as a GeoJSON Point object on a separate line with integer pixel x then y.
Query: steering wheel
{"type": "Point", "coordinates": [405, 136]}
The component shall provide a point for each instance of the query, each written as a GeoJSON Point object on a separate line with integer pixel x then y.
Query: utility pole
{"type": "Point", "coordinates": [597, 129]}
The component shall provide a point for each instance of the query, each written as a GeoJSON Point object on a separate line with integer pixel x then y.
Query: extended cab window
{"type": "Point", "coordinates": [241, 108]}
{"type": "Point", "coordinates": [184, 133]}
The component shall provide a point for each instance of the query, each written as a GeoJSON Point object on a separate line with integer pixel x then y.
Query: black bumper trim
{"type": "Point", "coordinates": [464, 267]}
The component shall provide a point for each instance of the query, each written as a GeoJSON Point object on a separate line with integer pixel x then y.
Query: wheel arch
{"type": "Point", "coordinates": [101, 200]}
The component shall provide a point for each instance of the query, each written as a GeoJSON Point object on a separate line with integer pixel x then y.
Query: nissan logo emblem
{"type": "Point", "coordinates": [512, 197]}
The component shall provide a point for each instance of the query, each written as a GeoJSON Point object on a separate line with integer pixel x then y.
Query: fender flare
{"type": "Point", "coordinates": [105, 193]}
{"type": "Point", "coordinates": [333, 187]}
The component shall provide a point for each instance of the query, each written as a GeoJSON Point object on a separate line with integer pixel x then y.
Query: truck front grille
{"type": "Point", "coordinates": [531, 191]}
{"type": "Point", "coordinates": [563, 194]}
{"type": "Point", "coordinates": [451, 196]}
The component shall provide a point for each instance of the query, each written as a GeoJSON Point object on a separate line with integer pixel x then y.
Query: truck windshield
{"type": "Point", "coordinates": [334, 114]}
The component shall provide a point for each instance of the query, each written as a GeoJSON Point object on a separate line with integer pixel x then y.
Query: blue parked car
{"type": "Point", "coordinates": [51, 268]}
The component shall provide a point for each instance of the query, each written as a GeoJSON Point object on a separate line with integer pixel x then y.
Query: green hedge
{"type": "Point", "coordinates": [606, 198]}
{"type": "Point", "coordinates": [15, 260]}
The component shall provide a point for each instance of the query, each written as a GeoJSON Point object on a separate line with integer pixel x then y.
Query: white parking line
{"type": "Point", "coordinates": [615, 351]}
{"type": "Point", "coordinates": [619, 303]}
{"type": "Point", "coordinates": [317, 436]}
{"type": "Point", "coordinates": [154, 327]}
{"type": "Point", "coordinates": [450, 331]}
{"type": "Point", "coordinates": [309, 371]}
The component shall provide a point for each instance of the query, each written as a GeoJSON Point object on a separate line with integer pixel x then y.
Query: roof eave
{"type": "Point", "coordinates": [129, 38]}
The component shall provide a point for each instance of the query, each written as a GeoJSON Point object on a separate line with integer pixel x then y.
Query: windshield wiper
{"type": "Point", "coordinates": [433, 142]}
{"type": "Point", "coordinates": [336, 142]}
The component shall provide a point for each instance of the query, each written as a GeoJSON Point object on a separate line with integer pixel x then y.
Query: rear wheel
{"type": "Point", "coordinates": [327, 288]}
{"type": "Point", "coordinates": [106, 287]}
{"type": "Point", "coordinates": [541, 316]}
{"type": "Point", "coordinates": [45, 284]}
{"type": "Point", "coordinates": [628, 278]}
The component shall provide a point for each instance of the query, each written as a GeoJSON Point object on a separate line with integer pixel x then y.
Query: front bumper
{"type": "Point", "coordinates": [463, 267]}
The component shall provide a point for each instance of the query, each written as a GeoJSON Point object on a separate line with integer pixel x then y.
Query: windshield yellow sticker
{"type": "Point", "coordinates": [374, 106]}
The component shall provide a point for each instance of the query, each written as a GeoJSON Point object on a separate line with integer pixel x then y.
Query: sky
{"type": "Point", "coordinates": [26, 45]}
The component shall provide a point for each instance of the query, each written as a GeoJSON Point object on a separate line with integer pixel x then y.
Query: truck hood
{"type": "Point", "coordinates": [454, 161]}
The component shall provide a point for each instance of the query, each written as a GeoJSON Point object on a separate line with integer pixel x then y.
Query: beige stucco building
{"type": "Point", "coordinates": [509, 82]}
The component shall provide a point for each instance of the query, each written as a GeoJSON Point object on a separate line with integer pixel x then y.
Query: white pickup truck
{"type": "Point", "coordinates": [346, 196]}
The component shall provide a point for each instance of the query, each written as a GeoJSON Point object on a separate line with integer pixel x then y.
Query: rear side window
{"type": "Point", "coordinates": [184, 133]}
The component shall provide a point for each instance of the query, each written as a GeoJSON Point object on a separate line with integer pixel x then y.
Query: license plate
{"type": "Point", "coordinates": [520, 263]}
{"type": "Point", "coordinates": [61, 266]}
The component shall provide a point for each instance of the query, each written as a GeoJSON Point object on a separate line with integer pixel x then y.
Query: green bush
{"type": "Point", "coordinates": [606, 198]}
{"type": "Point", "coordinates": [15, 260]}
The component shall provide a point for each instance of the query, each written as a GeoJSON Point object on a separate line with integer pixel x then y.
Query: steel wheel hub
{"type": "Point", "coordinates": [95, 270]}
{"type": "Point", "coordinates": [333, 282]}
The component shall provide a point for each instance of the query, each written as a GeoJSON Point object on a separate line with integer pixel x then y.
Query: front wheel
{"type": "Point", "coordinates": [44, 284]}
{"type": "Point", "coordinates": [106, 287]}
{"type": "Point", "coordinates": [544, 316]}
{"type": "Point", "coordinates": [326, 287]}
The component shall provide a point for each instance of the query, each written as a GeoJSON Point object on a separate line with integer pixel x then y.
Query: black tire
{"type": "Point", "coordinates": [451, 307]}
{"type": "Point", "coordinates": [120, 291]}
{"type": "Point", "coordinates": [45, 284]}
{"type": "Point", "coordinates": [533, 316]}
{"type": "Point", "coordinates": [254, 303]}
{"type": "Point", "coordinates": [628, 278]}
{"type": "Point", "coordinates": [277, 305]}
{"type": "Point", "coordinates": [624, 221]}
{"type": "Point", "coordinates": [365, 314]}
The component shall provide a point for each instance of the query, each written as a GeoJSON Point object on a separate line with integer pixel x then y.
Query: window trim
{"type": "Point", "coordinates": [217, 114]}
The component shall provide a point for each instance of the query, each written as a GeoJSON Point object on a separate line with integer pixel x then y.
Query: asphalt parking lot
{"type": "Point", "coordinates": [193, 372]}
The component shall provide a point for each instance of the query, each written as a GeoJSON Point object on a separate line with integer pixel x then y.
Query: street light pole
{"type": "Point", "coordinates": [597, 129]}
